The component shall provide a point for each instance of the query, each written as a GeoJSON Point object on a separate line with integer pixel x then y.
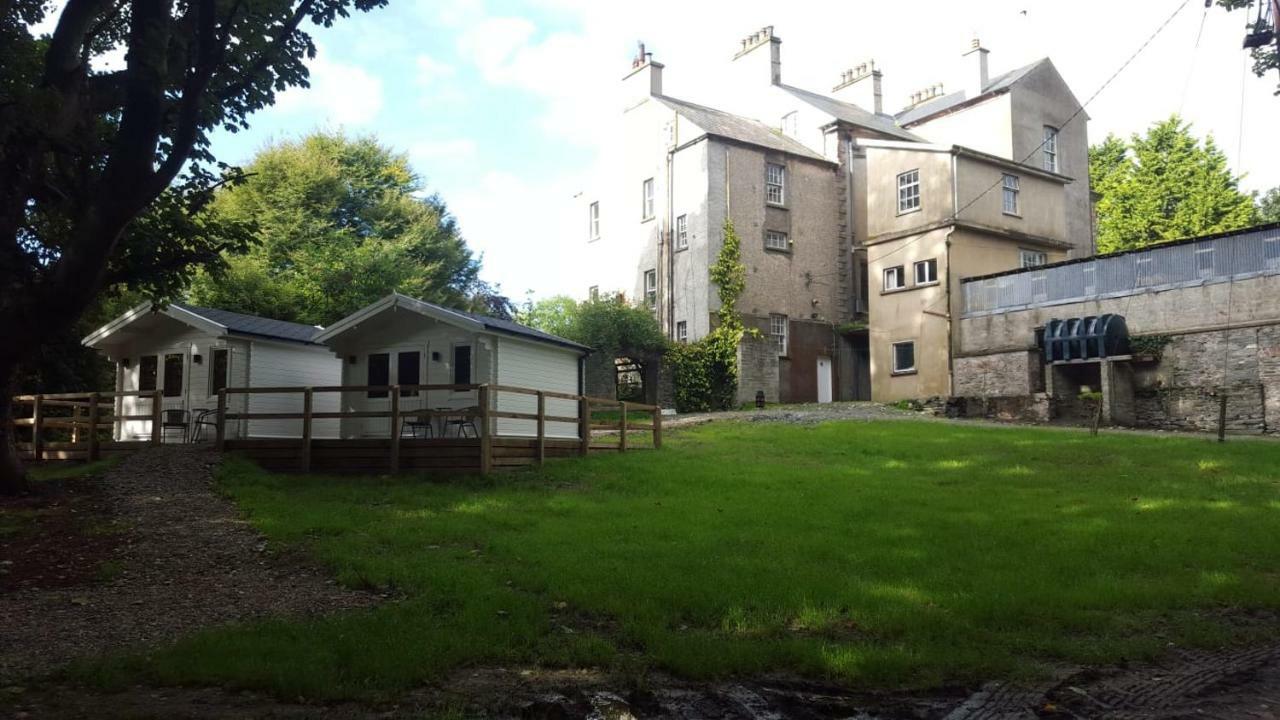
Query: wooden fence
{"type": "Point", "coordinates": [485, 452]}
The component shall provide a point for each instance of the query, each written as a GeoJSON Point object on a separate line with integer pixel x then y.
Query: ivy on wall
{"type": "Point", "coordinates": [705, 373]}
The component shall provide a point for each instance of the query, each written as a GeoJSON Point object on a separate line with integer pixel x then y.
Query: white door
{"type": "Point", "coordinates": [824, 380]}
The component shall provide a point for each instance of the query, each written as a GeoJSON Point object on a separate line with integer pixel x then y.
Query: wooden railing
{"type": "Point", "coordinates": [90, 414]}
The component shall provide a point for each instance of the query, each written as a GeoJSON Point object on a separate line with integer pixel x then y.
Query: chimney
{"type": "Point", "coordinates": [975, 69]}
{"type": "Point", "coordinates": [750, 61]}
{"type": "Point", "coordinates": [860, 85]}
{"type": "Point", "coordinates": [644, 80]}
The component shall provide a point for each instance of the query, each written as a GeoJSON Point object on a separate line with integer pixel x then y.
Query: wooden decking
{"type": "Point", "coordinates": [78, 426]}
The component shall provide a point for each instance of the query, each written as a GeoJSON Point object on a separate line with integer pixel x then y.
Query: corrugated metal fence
{"type": "Point", "coordinates": [1183, 264]}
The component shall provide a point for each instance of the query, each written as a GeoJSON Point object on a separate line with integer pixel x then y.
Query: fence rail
{"type": "Point", "coordinates": [89, 420]}
{"type": "Point", "coordinates": [1176, 265]}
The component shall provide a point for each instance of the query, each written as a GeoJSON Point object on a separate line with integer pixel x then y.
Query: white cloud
{"type": "Point", "coordinates": [431, 70]}
{"type": "Point", "coordinates": [425, 151]}
{"type": "Point", "coordinates": [492, 42]}
{"type": "Point", "coordinates": [340, 94]}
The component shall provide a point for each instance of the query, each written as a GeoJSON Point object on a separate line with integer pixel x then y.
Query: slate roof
{"type": "Point", "coordinates": [950, 100]}
{"type": "Point", "coordinates": [503, 326]}
{"type": "Point", "coordinates": [240, 324]}
{"type": "Point", "coordinates": [735, 127]}
{"type": "Point", "coordinates": [850, 113]}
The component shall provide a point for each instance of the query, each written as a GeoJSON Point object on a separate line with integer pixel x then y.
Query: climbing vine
{"type": "Point", "coordinates": [705, 373]}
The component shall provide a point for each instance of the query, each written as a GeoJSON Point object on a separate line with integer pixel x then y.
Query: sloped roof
{"type": "Point", "coordinates": [995, 85]}
{"type": "Point", "coordinates": [506, 326]}
{"type": "Point", "coordinates": [850, 113]}
{"type": "Point", "coordinates": [735, 127]}
{"type": "Point", "coordinates": [241, 324]}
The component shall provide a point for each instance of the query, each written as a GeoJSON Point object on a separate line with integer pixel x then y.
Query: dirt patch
{"type": "Point", "coordinates": [142, 554]}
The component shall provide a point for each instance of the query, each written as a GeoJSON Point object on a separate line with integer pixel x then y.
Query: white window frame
{"type": "Point", "coordinates": [909, 199]}
{"type": "Point", "coordinates": [682, 232]}
{"type": "Point", "coordinates": [646, 207]}
{"type": "Point", "coordinates": [778, 327]}
{"type": "Point", "coordinates": [593, 221]}
{"type": "Point", "coordinates": [1144, 271]}
{"type": "Point", "coordinates": [776, 240]}
{"type": "Point", "coordinates": [1011, 187]}
{"type": "Point", "coordinates": [1032, 258]}
{"type": "Point", "coordinates": [651, 288]}
{"type": "Point", "coordinates": [930, 267]}
{"type": "Point", "coordinates": [775, 183]}
{"type": "Point", "coordinates": [899, 273]}
{"type": "Point", "coordinates": [593, 293]}
{"type": "Point", "coordinates": [893, 357]}
{"type": "Point", "coordinates": [789, 123]}
{"type": "Point", "coordinates": [1039, 287]}
{"type": "Point", "coordinates": [682, 331]}
{"type": "Point", "coordinates": [1050, 148]}
{"type": "Point", "coordinates": [1202, 252]}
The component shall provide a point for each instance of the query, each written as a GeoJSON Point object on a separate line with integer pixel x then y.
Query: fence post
{"type": "Point", "coordinates": [37, 429]}
{"type": "Point", "coordinates": [157, 417]}
{"type": "Point", "coordinates": [542, 427]}
{"type": "Point", "coordinates": [657, 428]}
{"type": "Point", "coordinates": [306, 430]}
{"type": "Point", "coordinates": [395, 429]}
{"type": "Point", "coordinates": [220, 439]}
{"type": "Point", "coordinates": [584, 425]}
{"type": "Point", "coordinates": [1222, 416]}
{"type": "Point", "coordinates": [622, 428]}
{"type": "Point", "coordinates": [93, 427]}
{"type": "Point", "coordinates": [486, 439]}
{"type": "Point", "coordinates": [75, 424]}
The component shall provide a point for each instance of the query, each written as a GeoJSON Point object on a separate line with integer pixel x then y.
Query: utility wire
{"type": "Point", "coordinates": [1195, 53]}
{"type": "Point", "coordinates": [956, 215]}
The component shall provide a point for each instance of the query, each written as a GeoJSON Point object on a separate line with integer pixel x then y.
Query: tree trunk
{"type": "Point", "coordinates": [13, 478]}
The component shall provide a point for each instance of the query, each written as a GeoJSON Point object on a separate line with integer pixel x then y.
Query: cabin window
{"type": "Point", "coordinates": [218, 374]}
{"type": "Point", "coordinates": [461, 364]}
{"type": "Point", "coordinates": [173, 375]}
{"type": "Point", "coordinates": [409, 371]}
{"type": "Point", "coordinates": [147, 372]}
{"type": "Point", "coordinates": [379, 373]}
{"type": "Point", "coordinates": [904, 357]}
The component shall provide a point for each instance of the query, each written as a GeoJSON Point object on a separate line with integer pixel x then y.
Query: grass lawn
{"type": "Point", "coordinates": [890, 554]}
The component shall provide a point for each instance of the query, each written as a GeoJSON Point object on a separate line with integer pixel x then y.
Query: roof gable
{"type": "Point", "coordinates": [735, 127]}
{"type": "Point", "coordinates": [209, 320]}
{"type": "Point", "coordinates": [998, 84]}
{"type": "Point", "coordinates": [849, 113]}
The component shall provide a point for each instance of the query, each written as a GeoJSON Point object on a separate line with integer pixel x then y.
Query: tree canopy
{"type": "Point", "coordinates": [1164, 185]}
{"type": "Point", "coordinates": [611, 325]}
{"type": "Point", "coordinates": [105, 171]}
{"type": "Point", "coordinates": [1269, 206]}
{"type": "Point", "coordinates": [338, 223]}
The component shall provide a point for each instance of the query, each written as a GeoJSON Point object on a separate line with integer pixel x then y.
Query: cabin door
{"type": "Point", "coordinates": [393, 366]}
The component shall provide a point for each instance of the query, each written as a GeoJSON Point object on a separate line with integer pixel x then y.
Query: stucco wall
{"type": "Point", "coordinates": [985, 126]}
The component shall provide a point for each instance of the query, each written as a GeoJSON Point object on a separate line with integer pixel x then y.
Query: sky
{"type": "Point", "coordinates": [506, 108]}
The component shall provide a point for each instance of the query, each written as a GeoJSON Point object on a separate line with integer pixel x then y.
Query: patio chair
{"type": "Point", "coordinates": [459, 425]}
{"type": "Point", "coordinates": [175, 419]}
{"type": "Point", "coordinates": [203, 418]}
{"type": "Point", "coordinates": [416, 424]}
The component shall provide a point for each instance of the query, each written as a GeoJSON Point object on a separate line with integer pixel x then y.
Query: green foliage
{"type": "Point", "coordinates": [1266, 57]}
{"type": "Point", "coordinates": [852, 327]}
{"type": "Point", "coordinates": [557, 315]}
{"type": "Point", "coordinates": [1152, 345]}
{"type": "Point", "coordinates": [339, 223]}
{"type": "Point", "coordinates": [1269, 206]}
{"type": "Point", "coordinates": [610, 325]}
{"type": "Point", "coordinates": [1163, 186]}
{"type": "Point", "coordinates": [705, 373]}
{"type": "Point", "coordinates": [875, 555]}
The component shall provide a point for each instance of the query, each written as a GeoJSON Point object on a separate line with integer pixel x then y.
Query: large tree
{"type": "Point", "coordinates": [1269, 206]}
{"type": "Point", "coordinates": [339, 223]}
{"type": "Point", "coordinates": [1164, 185]}
{"type": "Point", "coordinates": [1266, 56]}
{"type": "Point", "coordinates": [105, 171]}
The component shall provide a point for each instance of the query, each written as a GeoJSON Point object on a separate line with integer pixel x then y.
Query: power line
{"type": "Point", "coordinates": [1195, 53]}
{"type": "Point", "coordinates": [956, 215]}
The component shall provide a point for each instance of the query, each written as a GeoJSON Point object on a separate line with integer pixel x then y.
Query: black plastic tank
{"type": "Point", "coordinates": [1087, 338]}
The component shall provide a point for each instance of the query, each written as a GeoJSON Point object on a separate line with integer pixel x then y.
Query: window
{"type": "Point", "coordinates": [774, 240]}
{"type": "Point", "coordinates": [218, 374]}
{"type": "Point", "coordinates": [593, 293]}
{"type": "Point", "coordinates": [1271, 251]}
{"type": "Point", "coordinates": [1039, 287]}
{"type": "Point", "coordinates": [1204, 261]}
{"type": "Point", "coordinates": [682, 332]}
{"type": "Point", "coordinates": [409, 371]}
{"type": "Point", "coordinates": [646, 209]}
{"type": "Point", "coordinates": [461, 364]}
{"type": "Point", "coordinates": [909, 191]}
{"type": "Point", "coordinates": [895, 278]}
{"type": "Point", "coordinates": [593, 221]}
{"type": "Point", "coordinates": [775, 183]}
{"type": "Point", "coordinates": [789, 123]}
{"type": "Point", "coordinates": [682, 232]}
{"type": "Point", "coordinates": [778, 331]}
{"type": "Point", "coordinates": [1010, 194]}
{"type": "Point", "coordinates": [148, 371]}
{"type": "Point", "coordinates": [173, 375]}
{"type": "Point", "coordinates": [1050, 148]}
{"type": "Point", "coordinates": [651, 288]}
{"type": "Point", "coordinates": [926, 271]}
{"type": "Point", "coordinates": [1090, 279]}
{"type": "Point", "coordinates": [904, 357]}
{"type": "Point", "coordinates": [1145, 270]}
{"type": "Point", "coordinates": [1031, 258]}
{"type": "Point", "coordinates": [378, 373]}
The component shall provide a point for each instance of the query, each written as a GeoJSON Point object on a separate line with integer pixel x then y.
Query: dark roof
{"type": "Point", "coordinates": [240, 324]}
{"type": "Point", "coordinates": [950, 100]}
{"type": "Point", "coordinates": [504, 326]}
{"type": "Point", "coordinates": [735, 127]}
{"type": "Point", "coordinates": [850, 113]}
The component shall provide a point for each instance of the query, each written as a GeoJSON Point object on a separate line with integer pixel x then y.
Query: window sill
{"type": "Point", "coordinates": [779, 206]}
{"type": "Point", "coordinates": [897, 373]}
{"type": "Point", "coordinates": [909, 212]}
{"type": "Point", "coordinates": [895, 291]}
{"type": "Point", "coordinates": [931, 283]}
{"type": "Point", "coordinates": [647, 219]}
{"type": "Point", "coordinates": [777, 251]}
{"type": "Point", "coordinates": [680, 248]}
{"type": "Point", "coordinates": [594, 239]}
{"type": "Point", "coordinates": [1011, 214]}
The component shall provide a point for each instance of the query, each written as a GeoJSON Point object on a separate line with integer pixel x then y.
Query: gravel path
{"type": "Point", "coordinates": [184, 559]}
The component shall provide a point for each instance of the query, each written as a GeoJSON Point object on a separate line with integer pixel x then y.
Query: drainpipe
{"type": "Point", "coordinates": [667, 241]}
{"type": "Point", "coordinates": [951, 366]}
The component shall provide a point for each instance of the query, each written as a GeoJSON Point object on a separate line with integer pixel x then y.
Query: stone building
{"type": "Point", "coordinates": [813, 183]}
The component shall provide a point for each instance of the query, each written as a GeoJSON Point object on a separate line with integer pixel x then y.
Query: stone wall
{"type": "Point", "coordinates": [1032, 408]}
{"type": "Point", "coordinates": [998, 374]}
{"type": "Point", "coordinates": [757, 370]}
